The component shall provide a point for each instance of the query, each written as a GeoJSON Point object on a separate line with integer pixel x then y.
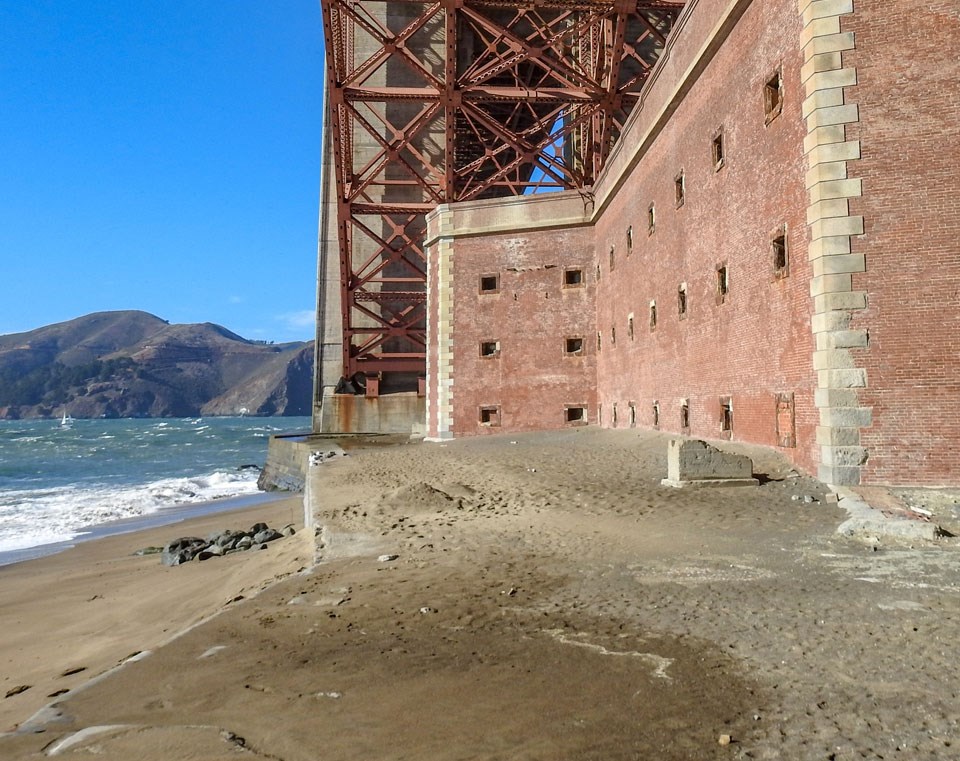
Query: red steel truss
{"type": "Point", "coordinates": [453, 100]}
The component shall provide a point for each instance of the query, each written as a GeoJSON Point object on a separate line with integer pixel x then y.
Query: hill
{"type": "Point", "coordinates": [134, 364]}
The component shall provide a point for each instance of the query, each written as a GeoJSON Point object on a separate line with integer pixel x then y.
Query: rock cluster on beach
{"type": "Point", "coordinates": [188, 548]}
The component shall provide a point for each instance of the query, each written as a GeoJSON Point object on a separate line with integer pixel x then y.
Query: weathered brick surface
{"type": "Point", "coordinates": [908, 68]}
{"type": "Point", "coordinates": [757, 343]}
{"type": "Point", "coordinates": [532, 379]}
{"type": "Point", "coordinates": [862, 175]}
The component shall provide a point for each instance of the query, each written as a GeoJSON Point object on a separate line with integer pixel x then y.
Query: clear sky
{"type": "Point", "coordinates": [161, 155]}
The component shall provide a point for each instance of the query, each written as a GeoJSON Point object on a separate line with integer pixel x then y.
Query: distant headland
{"type": "Point", "coordinates": [134, 364]}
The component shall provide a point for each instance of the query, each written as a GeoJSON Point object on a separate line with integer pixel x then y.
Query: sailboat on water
{"type": "Point", "coordinates": [66, 421]}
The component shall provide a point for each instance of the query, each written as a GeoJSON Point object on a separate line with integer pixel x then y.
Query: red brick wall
{"type": "Point", "coordinates": [532, 379]}
{"type": "Point", "coordinates": [908, 69]}
{"type": "Point", "coordinates": [757, 343]}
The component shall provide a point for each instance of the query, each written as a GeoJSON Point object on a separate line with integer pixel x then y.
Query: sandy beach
{"type": "Point", "coordinates": [538, 596]}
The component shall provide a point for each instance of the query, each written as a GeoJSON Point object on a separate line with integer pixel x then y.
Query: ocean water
{"type": "Point", "coordinates": [59, 483]}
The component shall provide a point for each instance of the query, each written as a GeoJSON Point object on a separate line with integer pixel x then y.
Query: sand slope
{"type": "Point", "coordinates": [550, 600]}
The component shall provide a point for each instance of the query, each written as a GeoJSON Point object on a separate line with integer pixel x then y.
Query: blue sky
{"type": "Point", "coordinates": [160, 155]}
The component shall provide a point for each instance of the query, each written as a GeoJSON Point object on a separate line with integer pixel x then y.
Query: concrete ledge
{"type": "Point", "coordinates": [697, 482]}
{"type": "Point", "coordinates": [865, 521]}
{"type": "Point", "coordinates": [691, 462]}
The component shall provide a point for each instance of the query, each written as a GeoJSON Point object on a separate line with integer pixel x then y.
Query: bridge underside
{"type": "Point", "coordinates": [452, 100]}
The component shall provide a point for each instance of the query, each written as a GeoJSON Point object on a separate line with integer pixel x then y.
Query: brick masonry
{"type": "Point", "coordinates": [801, 207]}
{"type": "Point", "coordinates": [501, 313]}
{"type": "Point", "coordinates": [907, 60]}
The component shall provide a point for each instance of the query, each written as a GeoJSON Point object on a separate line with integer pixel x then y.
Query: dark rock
{"type": "Point", "coordinates": [210, 551]}
{"type": "Point", "coordinates": [226, 538]}
{"type": "Point", "coordinates": [188, 548]}
{"type": "Point", "coordinates": [267, 535]}
{"type": "Point", "coordinates": [182, 550]}
{"type": "Point", "coordinates": [17, 690]}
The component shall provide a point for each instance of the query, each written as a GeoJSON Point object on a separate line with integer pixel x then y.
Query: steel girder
{"type": "Point", "coordinates": [453, 100]}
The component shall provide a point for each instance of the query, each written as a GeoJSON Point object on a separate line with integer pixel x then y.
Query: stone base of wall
{"type": "Point", "coordinates": [286, 465]}
{"type": "Point", "coordinates": [404, 413]}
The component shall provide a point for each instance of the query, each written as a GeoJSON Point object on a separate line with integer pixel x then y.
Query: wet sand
{"type": "Point", "coordinates": [548, 600]}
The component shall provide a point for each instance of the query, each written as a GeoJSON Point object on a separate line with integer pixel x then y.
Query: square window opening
{"type": "Point", "coordinates": [573, 346]}
{"type": "Point", "coordinates": [575, 415]}
{"type": "Point", "coordinates": [572, 278]}
{"type": "Point", "coordinates": [489, 348]}
{"type": "Point", "coordinates": [490, 415]}
{"type": "Point", "coordinates": [489, 283]}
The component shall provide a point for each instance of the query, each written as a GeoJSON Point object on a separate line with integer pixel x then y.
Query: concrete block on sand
{"type": "Point", "coordinates": [691, 462]}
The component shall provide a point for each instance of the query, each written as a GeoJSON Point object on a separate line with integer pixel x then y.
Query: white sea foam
{"type": "Point", "coordinates": [33, 517]}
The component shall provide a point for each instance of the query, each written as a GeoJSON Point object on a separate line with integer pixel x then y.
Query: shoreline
{"type": "Point", "coordinates": [165, 516]}
{"type": "Point", "coordinates": [72, 615]}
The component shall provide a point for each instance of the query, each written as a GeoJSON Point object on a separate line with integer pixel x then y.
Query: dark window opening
{"type": "Point", "coordinates": [575, 414]}
{"type": "Point", "coordinates": [574, 346]}
{"type": "Point", "coordinates": [685, 416]}
{"type": "Point", "coordinates": [773, 97]}
{"type": "Point", "coordinates": [679, 186]}
{"type": "Point", "coordinates": [630, 327]}
{"type": "Point", "coordinates": [653, 315]}
{"type": "Point", "coordinates": [490, 415]}
{"type": "Point", "coordinates": [613, 336]}
{"type": "Point", "coordinates": [717, 150]}
{"type": "Point", "coordinates": [489, 348]}
{"type": "Point", "coordinates": [651, 219]}
{"type": "Point", "coordinates": [572, 278]}
{"type": "Point", "coordinates": [598, 272]}
{"type": "Point", "coordinates": [489, 283]}
{"type": "Point", "coordinates": [613, 261]}
{"type": "Point", "coordinates": [723, 283]}
{"type": "Point", "coordinates": [633, 414]}
{"type": "Point", "coordinates": [599, 340]}
{"type": "Point", "coordinates": [726, 415]}
{"type": "Point", "coordinates": [682, 301]}
{"type": "Point", "coordinates": [780, 260]}
{"type": "Point", "coordinates": [614, 423]}
{"type": "Point", "coordinates": [656, 414]}
{"type": "Point", "coordinates": [629, 240]}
